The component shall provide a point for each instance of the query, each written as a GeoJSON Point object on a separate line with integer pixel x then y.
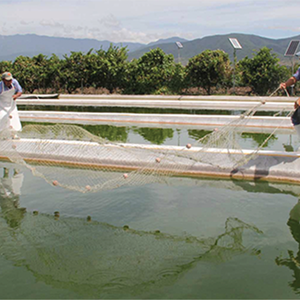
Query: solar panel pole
{"type": "Point", "coordinates": [236, 45]}
{"type": "Point", "coordinates": [234, 64]}
{"type": "Point", "coordinates": [179, 46]}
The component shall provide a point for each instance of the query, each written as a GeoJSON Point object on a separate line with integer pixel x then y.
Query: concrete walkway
{"type": "Point", "coordinates": [266, 165]}
{"type": "Point", "coordinates": [175, 102]}
{"type": "Point", "coordinates": [257, 124]}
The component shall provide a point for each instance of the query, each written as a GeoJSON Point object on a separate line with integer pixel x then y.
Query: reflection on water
{"type": "Point", "coordinates": [156, 136]}
{"type": "Point", "coordinates": [111, 133]}
{"type": "Point", "coordinates": [180, 137]}
{"type": "Point", "coordinates": [267, 187]}
{"type": "Point", "coordinates": [136, 110]}
{"type": "Point", "coordinates": [259, 139]}
{"type": "Point", "coordinates": [10, 190]}
{"type": "Point", "coordinates": [143, 110]}
{"type": "Point", "coordinates": [198, 134]}
{"type": "Point", "coordinates": [94, 259]}
{"type": "Point", "coordinates": [293, 262]}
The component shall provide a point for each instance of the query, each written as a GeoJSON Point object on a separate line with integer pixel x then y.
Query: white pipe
{"type": "Point", "coordinates": [157, 119]}
{"type": "Point", "coordinates": [167, 104]}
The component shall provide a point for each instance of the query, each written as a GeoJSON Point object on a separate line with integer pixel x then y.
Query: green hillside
{"type": "Point", "coordinates": [31, 44]}
{"type": "Point", "coordinates": [248, 42]}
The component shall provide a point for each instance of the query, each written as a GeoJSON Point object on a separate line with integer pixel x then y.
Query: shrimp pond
{"type": "Point", "coordinates": [193, 238]}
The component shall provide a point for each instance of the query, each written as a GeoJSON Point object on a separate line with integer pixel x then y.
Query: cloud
{"type": "Point", "coordinates": [146, 20]}
{"type": "Point", "coordinates": [52, 24]}
{"type": "Point", "coordinates": [285, 28]}
{"type": "Point", "coordinates": [25, 23]}
{"type": "Point", "coordinates": [109, 28]}
{"type": "Point", "coordinates": [110, 22]}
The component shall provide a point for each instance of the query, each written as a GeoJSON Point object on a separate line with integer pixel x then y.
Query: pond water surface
{"type": "Point", "coordinates": [192, 239]}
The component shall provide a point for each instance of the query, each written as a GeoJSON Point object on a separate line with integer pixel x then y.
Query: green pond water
{"type": "Point", "coordinates": [191, 239]}
{"type": "Point", "coordinates": [143, 110]}
{"type": "Point", "coordinates": [180, 137]}
{"type": "Point", "coordinates": [174, 135]}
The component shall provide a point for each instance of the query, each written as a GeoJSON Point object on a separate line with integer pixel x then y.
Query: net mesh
{"type": "Point", "coordinates": [114, 257]}
{"type": "Point", "coordinates": [71, 157]}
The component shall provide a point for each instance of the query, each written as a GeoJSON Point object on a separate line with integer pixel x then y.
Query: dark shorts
{"type": "Point", "coordinates": [296, 117]}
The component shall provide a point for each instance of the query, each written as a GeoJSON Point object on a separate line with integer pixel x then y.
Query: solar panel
{"type": "Point", "coordinates": [292, 48]}
{"type": "Point", "coordinates": [179, 45]}
{"type": "Point", "coordinates": [235, 43]}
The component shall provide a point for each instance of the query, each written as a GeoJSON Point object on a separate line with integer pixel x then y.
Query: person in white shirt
{"type": "Point", "coordinates": [10, 90]}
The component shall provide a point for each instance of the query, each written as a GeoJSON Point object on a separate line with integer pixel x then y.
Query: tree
{"type": "Point", "coordinates": [32, 73]}
{"type": "Point", "coordinates": [111, 67]}
{"type": "Point", "coordinates": [25, 70]}
{"type": "Point", "coordinates": [5, 66]}
{"type": "Point", "coordinates": [208, 69]}
{"type": "Point", "coordinates": [177, 81]}
{"type": "Point", "coordinates": [41, 73]}
{"type": "Point", "coordinates": [54, 79]}
{"type": "Point", "coordinates": [150, 73]}
{"type": "Point", "coordinates": [262, 72]}
{"type": "Point", "coordinates": [73, 71]}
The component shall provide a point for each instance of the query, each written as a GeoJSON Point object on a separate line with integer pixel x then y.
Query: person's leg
{"type": "Point", "coordinates": [6, 173]}
{"type": "Point", "coordinates": [297, 129]}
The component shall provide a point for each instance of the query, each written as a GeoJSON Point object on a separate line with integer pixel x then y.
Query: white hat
{"type": "Point", "coordinates": [7, 76]}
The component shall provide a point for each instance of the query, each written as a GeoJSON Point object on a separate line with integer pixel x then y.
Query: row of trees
{"type": "Point", "coordinates": [153, 73]}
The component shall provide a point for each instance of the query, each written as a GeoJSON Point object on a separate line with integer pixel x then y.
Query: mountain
{"type": "Point", "coordinates": [167, 41]}
{"type": "Point", "coordinates": [31, 44]}
{"type": "Point", "coordinates": [249, 44]}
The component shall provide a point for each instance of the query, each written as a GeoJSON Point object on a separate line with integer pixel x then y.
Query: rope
{"type": "Point", "coordinates": [271, 134]}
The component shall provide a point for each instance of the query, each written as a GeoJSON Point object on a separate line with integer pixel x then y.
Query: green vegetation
{"type": "Point", "coordinates": [262, 72]}
{"type": "Point", "coordinates": [209, 69]}
{"type": "Point", "coordinates": [150, 73]}
{"type": "Point", "coordinates": [153, 73]}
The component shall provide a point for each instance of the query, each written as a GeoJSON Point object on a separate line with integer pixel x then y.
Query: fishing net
{"type": "Point", "coordinates": [115, 258]}
{"type": "Point", "coordinates": [71, 157]}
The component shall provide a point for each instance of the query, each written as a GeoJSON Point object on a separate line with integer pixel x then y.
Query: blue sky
{"type": "Point", "coordinates": [145, 21]}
